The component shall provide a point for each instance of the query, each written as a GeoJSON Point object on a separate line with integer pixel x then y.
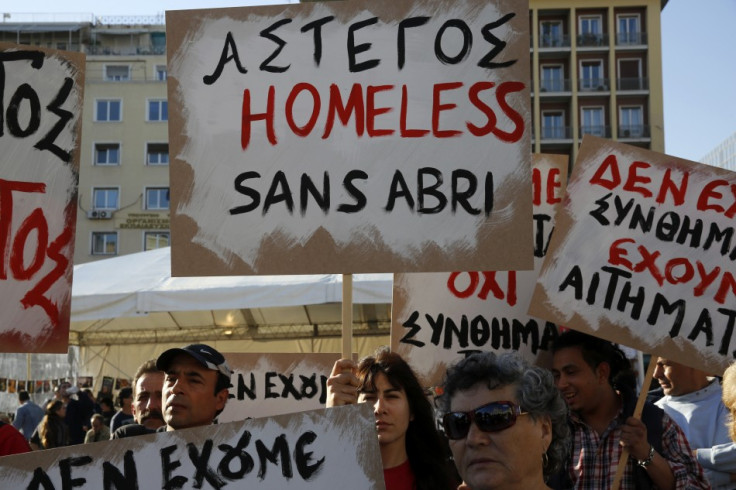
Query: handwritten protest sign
{"type": "Point", "coordinates": [273, 384]}
{"type": "Point", "coordinates": [439, 318]}
{"type": "Point", "coordinates": [311, 450]}
{"type": "Point", "coordinates": [643, 254]}
{"type": "Point", "coordinates": [362, 136]}
{"type": "Point", "coordinates": [41, 93]}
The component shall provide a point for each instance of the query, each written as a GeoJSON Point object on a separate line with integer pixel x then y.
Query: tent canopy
{"type": "Point", "coordinates": [133, 299]}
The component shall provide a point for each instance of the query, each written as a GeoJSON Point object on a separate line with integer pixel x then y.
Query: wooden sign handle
{"type": "Point", "coordinates": [347, 316]}
{"type": "Point", "coordinates": [637, 413]}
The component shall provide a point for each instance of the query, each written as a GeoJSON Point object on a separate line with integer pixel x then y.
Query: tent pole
{"type": "Point", "coordinates": [28, 369]}
{"type": "Point", "coordinates": [347, 316]}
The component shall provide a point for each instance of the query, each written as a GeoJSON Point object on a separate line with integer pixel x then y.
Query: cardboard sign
{"type": "Point", "coordinates": [643, 255]}
{"type": "Point", "coordinates": [264, 385]}
{"type": "Point", "coordinates": [346, 137]}
{"type": "Point", "coordinates": [311, 450]}
{"type": "Point", "coordinates": [439, 318]}
{"type": "Point", "coordinates": [41, 93]}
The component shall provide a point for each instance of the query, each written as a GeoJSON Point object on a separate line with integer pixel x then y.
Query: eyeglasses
{"type": "Point", "coordinates": [492, 417]}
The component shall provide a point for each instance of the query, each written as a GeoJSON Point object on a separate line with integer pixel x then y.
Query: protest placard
{"type": "Point", "coordinates": [346, 137]}
{"type": "Point", "coordinates": [643, 255]}
{"type": "Point", "coordinates": [438, 318]}
{"type": "Point", "coordinates": [327, 448]}
{"type": "Point", "coordinates": [264, 385]}
{"type": "Point", "coordinates": [41, 94]}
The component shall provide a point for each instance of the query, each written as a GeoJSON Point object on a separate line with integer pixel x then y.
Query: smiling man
{"type": "Point", "coordinates": [596, 380]}
{"type": "Point", "coordinates": [196, 385]}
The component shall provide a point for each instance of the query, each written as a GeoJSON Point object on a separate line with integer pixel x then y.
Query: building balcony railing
{"type": "Point", "coordinates": [633, 131]}
{"type": "Point", "coordinates": [126, 50]}
{"type": "Point", "coordinates": [554, 41]}
{"type": "Point", "coordinates": [556, 133]}
{"type": "Point", "coordinates": [554, 85]}
{"type": "Point", "coordinates": [600, 131]}
{"type": "Point", "coordinates": [592, 40]}
{"type": "Point", "coordinates": [625, 84]}
{"type": "Point", "coordinates": [631, 38]}
{"type": "Point", "coordinates": [594, 85]}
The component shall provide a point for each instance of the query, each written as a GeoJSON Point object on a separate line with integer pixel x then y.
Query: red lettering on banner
{"type": "Point", "coordinates": [634, 178]}
{"type": "Point", "coordinates": [678, 193]}
{"type": "Point", "coordinates": [610, 164]}
{"type": "Point", "coordinates": [710, 193]}
{"type": "Point", "coordinates": [13, 248]}
{"type": "Point", "coordinates": [550, 193]}
{"type": "Point", "coordinates": [490, 285]}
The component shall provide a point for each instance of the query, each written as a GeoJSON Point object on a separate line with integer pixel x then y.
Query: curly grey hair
{"type": "Point", "coordinates": [536, 393]}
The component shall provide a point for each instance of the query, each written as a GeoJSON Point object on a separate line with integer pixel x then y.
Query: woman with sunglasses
{"type": "Point", "coordinates": [412, 451]}
{"type": "Point", "coordinates": [506, 422]}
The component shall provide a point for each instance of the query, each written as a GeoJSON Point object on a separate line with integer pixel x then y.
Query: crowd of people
{"type": "Point", "coordinates": [499, 423]}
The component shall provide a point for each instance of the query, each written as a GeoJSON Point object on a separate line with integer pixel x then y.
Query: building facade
{"type": "Point", "coordinates": [723, 155]}
{"type": "Point", "coordinates": [596, 69]}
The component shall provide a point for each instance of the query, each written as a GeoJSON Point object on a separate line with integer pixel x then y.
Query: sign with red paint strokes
{"type": "Point", "coordinates": [41, 93]}
{"type": "Point", "coordinates": [440, 317]}
{"type": "Point", "coordinates": [644, 254]}
{"type": "Point", "coordinates": [348, 137]}
{"type": "Point", "coordinates": [309, 450]}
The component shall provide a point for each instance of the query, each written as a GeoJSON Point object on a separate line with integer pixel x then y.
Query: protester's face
{"type": "Point", "coordinates": [674, 378]}
{"type": "Point", "coordinates": [61, 411]}
{"type": "Point", "coordinates": [147, 403]}
{"type": "Point", "coordinates": [391, 409]}
{"type": "Point", "coordinates": [579, 384]}
{"type": "Point", "coordinates": [96, 424]}
{"type": "Point", "coordinates": [189, 394]}
{"type": "Point", "coordinates": [507, 459]}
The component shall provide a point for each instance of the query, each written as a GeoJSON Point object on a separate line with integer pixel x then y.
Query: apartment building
{"type": "Point", "coordinates": [723, 155]}
{"type": "Point", "coordinates": [596, 66]}
{"type": "Point", "coordinates": [597, 69]}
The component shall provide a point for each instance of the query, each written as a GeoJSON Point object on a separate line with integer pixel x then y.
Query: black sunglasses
{"type": "Point", "coordinates": [492, 417]}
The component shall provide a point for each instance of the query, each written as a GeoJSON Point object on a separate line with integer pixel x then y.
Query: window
{"type": "Point", "coordinates": [108, 110]}
{"type": "Point", "coordinates": [117, 73]}
{"type": "Point", "coordinates": [629, 72]}
{"type": "Point", "coordinates": [155, 239]}
{"type": "Point", "coordinates": [628, 29]}
{"type": "Point", "coordinates": [591, 75]}
{"type": "Point", "coordinates": [105, 198]}
{"type": "Point", "coordinates": [553, 125]}
{"type": "Point", "coordinates": [104, 243]}
{"type": "Point", "coordinates": [157, 198]}
{"type": "Point", "coordinates": [551, 35]}
{"type": "Point", "coordinates": [552, 78]}
{"type": "Point", "coordinates": [590, 25]}
{"type": "Point", "coordinates": [161, 73]}
{"type": "Point", "coordinates": [593, 121]}
{"type": "Point", "coordinates": [631, 121]}
{"type": "Point", "coordinates": [157, 154]}
{"type": "Point", "coordinates": [107, 154]}
{"type": "Point", "coordinates": [158, 110]}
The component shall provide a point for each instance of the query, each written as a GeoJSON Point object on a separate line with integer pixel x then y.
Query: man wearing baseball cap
{"type": "Point", "coordinates": [196, 385]}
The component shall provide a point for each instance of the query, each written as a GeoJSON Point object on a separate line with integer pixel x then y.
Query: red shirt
{"type": "Point", "coordinates": [12, 441]}
{"type": "Point", "coordinates": [399, 477]}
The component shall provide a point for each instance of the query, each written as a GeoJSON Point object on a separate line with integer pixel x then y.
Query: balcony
{"type": "Point", "coordinates": [547, 41]}
{"type": "Point", "coordinates": [594, 86]}
{"type": "Point", "coordinates": [632, 84]}
{"type": "Point", "coordinates": [592, 41]}
{"type": "Point", "coordinates": [633, 132]}
{"type": "Point", "coordinates": [555, 85]}
{"type": "Point", "coordinates": [556, 134]}
{"type": "Point", "coordinates": [131, 50]}
{"type": "Point", "coordinates": [632, 39]}
{"type": "Point", "coordinates": [600, 131]}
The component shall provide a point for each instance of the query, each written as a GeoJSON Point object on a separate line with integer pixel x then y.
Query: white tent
{"type": "Point", "coordinates": [128, 309]}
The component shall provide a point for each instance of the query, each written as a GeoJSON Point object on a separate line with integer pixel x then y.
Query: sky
{"type": "Point", "coordinates": [698, 62]}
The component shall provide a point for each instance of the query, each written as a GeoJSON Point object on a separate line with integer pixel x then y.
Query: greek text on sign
{"type": "Point", "coordinates": [644, 255]}
{"type": "Point", "coordinates": [439, 318]}
{"type": "Point", "coordinates": [362, 136]}
{"type": "Point", "coordinates": [41, 93]}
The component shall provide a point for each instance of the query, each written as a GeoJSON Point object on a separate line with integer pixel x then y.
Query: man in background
{"type": "Point", "coordinates": [98, 432]}
{"type": "Point", "coordinates": [27, 416]}
{"type": "Point", "coordinates": [695, 403]}
{"type": "Point", "coordinates": [147, 387]}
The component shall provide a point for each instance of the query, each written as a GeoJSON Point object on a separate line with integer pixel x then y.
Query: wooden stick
{"type": "Point", "coordinates": [347, 316]}
{"type": "Point", "coordinates": [637, 413]}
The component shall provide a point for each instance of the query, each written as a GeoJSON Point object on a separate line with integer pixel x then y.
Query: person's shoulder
{"type": "Point", "coordinates": [131, 430]}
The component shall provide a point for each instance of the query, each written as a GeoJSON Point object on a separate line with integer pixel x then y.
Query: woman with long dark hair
{"type": "Point", "coordinates": [412, 452]}
{"type": "Point", "coordinates": [52, 431]}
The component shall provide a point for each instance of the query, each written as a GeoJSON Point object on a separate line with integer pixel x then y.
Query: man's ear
{"type": "Point", "coordinates": [603, 371]}
{"type": "Point", "coordinates": [221, 397]}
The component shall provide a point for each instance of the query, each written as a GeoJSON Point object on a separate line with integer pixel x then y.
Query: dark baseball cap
{"type": "Point", "coordinates": [204, 354]}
